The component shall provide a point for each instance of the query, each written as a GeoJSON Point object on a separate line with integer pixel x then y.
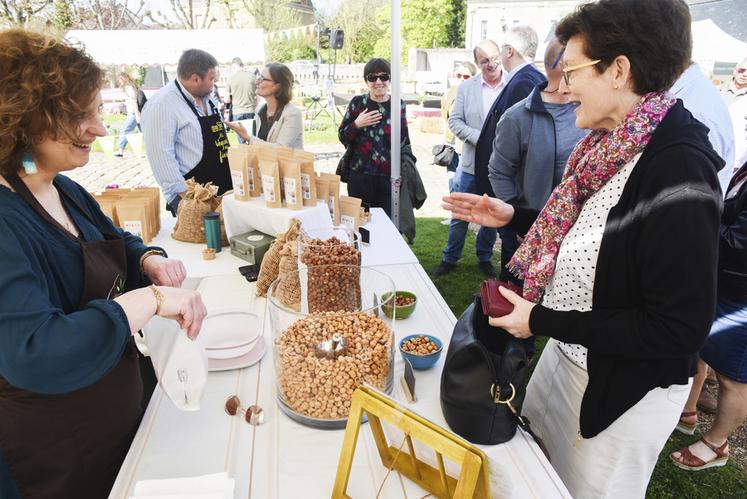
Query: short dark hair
{"type": "Point", "coordinates": [376, 65]}
{"type": "Point", "coordinates": [281, 74]}
{"type": "Point", "coordinates": [195, 61]}
{"type": "Point", "coordinates": [655, 35]}
{"type": "Point", "coordinates": [237, 61]}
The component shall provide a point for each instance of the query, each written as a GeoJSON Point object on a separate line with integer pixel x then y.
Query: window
{"type": "Point", "coordinates": [483, 29]}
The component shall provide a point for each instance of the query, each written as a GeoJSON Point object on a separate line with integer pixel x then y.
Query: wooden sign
{"type": "Point", "coordinates": [473, 480]}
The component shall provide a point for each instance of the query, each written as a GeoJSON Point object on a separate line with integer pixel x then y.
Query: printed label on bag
{"type": "Point", "coordinates": [250, 180]}
{"type": "Point", "coordinates": [237, 177]}
{"type": "Point", "coordinates": [306, 185]}
{"type": "Point", "coordinates": [268, 187]}
{"type": "Point", "coordinates": [348, 221]}
{"type": "Point", "coordinates": [290, 190]}
{"type": "Point", "coordinates": [134, 227]}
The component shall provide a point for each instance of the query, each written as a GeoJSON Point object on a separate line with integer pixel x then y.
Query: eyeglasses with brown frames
{"type": "Point", "coordinates": [254, 415]}
{"type": "Point", "coordinates": [569, 69]}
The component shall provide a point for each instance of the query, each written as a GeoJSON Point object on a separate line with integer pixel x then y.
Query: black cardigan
{"type": "Point", "coordinates": [732, 261]}
{"type": "Point", "coordinates": [655, 283]}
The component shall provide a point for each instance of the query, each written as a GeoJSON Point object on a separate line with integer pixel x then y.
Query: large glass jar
{"type": "Point", "coordinates": [321, 356]}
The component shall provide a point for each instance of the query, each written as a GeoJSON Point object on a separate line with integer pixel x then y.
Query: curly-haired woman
{"type": "Point", "coordinates": [73, 288]}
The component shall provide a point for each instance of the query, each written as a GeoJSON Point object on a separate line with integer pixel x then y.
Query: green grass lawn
{"type": "Point", "coordinates": [458, 289]}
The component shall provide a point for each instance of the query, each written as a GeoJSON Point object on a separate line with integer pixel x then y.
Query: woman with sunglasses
{"type": "Point", "coordinates": [73, 288]}
{"type": "Point", "coordinates": [366, 128]}
{"type": "Point", "coordinates": [277, 121]}
{"type": "Point", "coordinates": [463, 73]}
{"type": "Point", "coordinates": [619, 267]}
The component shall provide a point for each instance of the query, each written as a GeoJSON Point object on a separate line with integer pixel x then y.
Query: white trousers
{"type": "Point", "coordinates": [619, 461]}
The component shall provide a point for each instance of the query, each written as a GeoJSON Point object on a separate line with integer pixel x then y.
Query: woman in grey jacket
{"type": "Point", "coordinates": [278, 121]}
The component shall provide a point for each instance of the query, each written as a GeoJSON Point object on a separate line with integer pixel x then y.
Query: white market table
{"type": "Point", "coordinates": [283, 459]}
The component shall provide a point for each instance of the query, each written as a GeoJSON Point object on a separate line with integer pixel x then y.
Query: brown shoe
{"type": "Point", "coordinates": [707, 402]}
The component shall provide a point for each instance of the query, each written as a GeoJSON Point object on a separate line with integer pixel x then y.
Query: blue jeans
{"type": "Point", "coordinates": [129, 126]}
{"type": "Point", "coordinates": [244, 116]}
{"type": "Point", "coordinates": [453, 168]}
{"type": "Point", "coordinates": [465, 182]}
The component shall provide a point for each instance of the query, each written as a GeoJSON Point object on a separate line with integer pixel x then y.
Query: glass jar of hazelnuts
{"type": "Point", "coordinates": [330, 347]}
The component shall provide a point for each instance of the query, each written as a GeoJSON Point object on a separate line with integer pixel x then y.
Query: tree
{"type": "Point", "coordinates": [425, 24]}
{"type": "Point", "coordinates": [63, 16]}
{"type": "Point", "coordinates": [21, 12]}
{"type": "Point", "coordinates": [270, 15]}
{"type": "Point", "coordinates": [358, 20]}
{"type": "Point", "coordinates": [292, 48]}
{"type": "Point", "coordinates": [110, 14]}
{"type": "Point", "coordinates": [191, 16]}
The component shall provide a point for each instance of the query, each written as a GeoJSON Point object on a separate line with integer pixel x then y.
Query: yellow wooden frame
{"type": "Point", "coordinates": [473, 480]}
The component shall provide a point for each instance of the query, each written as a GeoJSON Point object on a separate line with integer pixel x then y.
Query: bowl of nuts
{"type": "Point", "coordinates": [422, 350]}
{"type": "Point", "coordinates": [404, 304]}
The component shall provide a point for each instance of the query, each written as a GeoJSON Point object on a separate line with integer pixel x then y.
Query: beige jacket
{"type": "Point", "coordinates": [287, 131]}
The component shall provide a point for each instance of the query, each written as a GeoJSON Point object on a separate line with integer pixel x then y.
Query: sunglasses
{"type": "Point", "coordinates": [463, 77]}
{"type": "Point", "coordinates": [252, 415]}
{"type": "Point", "coordinates": [740, 70]}
{"type": "Point", "coordinates": [261, 78]}
{"type": "Point", "coordinates": [371, 78]}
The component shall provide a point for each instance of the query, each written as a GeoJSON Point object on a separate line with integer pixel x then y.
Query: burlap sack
{"type": "Point", "coordinates": [288, 290]}
{"type": "Point", "coordinates": [270, 267]}
{"type": "Point", "coordinates": [198, 200]}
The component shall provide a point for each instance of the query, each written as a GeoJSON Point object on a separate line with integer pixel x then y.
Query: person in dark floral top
{"type": "Point", "coordinates": [366, 128]}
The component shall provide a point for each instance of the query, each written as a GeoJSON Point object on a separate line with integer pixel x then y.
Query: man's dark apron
{"type": "Point", "coordinates": [71, 445]}
{"type": "Point", "coordinates": [213, 166]}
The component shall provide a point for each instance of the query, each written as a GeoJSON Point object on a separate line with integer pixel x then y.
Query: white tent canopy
{"type": "Point", "coordinates": [711, 43]}
{"type": "Point", "coordinates": [155, 47]}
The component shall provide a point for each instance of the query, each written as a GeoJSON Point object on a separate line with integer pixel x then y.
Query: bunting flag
{"type": "Point", "coordinates": [135, 140]}
{"type": "Point", "coordinates": [107, 144]}
{"type": "Point", "coordinates": [287, 34]}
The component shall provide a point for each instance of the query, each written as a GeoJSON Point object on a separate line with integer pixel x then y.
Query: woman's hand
{"type": "Point", "coordinates": [482, 210]}
{"type": "Point", "coordinates": [239, 129]}
{"type": "Point", "coordinates": [367, 118]}
{"type": "Point", "coordinates": [164, 271]}
{"type": "Point", "coordinates": [517, 322]}
{"type": "Point", "coordinates": [185, 306]}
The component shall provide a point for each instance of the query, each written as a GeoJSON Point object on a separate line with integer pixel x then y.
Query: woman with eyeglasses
{"type": "Point", "coordinates": [74, 288]}
{"type": "Point", "coordinates": [619, 267]}
{"type": "Point", "coordinates": [366, 132]}
{"type": "Point", "coordinates": [277, 121]}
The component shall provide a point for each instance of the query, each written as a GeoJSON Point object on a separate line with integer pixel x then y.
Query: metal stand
{"type": "Point", "coordinates": [317, 108]}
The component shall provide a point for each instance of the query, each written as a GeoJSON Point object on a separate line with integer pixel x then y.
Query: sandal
{"type": "Point", "coordinates": [689, 461]}
{"type": "Point", "coordinates": [684, 426]}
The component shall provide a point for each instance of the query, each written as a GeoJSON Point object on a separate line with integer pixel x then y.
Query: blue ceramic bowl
{"type": "Point", "coordinates": [422, 362]}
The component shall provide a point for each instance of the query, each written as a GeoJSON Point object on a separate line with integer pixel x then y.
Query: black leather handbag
{"type": "Point", "coordinates": [443, 154]}
{"type": "Point", "coordinates": [483, 380]}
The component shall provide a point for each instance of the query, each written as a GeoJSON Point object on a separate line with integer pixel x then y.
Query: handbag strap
{"type": "Point", "coordinates": [522, 421]}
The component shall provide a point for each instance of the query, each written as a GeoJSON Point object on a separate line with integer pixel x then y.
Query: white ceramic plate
{"type": "Point", "coordinates": [248, 359]}
{"type": "Point", "coordinates": [230, 353]}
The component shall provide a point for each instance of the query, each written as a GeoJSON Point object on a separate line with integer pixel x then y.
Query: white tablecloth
{"type": "Point", "coordinates": [245, 216]}
{"type": "Point", "coordinates": [282, 458]}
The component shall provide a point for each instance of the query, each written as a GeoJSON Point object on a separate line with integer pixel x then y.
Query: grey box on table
{"type": "Point", "coordinates": [251, 246]}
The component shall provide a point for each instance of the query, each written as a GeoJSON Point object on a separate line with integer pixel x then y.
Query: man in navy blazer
{"type": "Point", "coordinates": [517, 54]}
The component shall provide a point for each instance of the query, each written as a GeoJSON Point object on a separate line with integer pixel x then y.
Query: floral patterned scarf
{"type": "Point", "coordinates": [592, 163]}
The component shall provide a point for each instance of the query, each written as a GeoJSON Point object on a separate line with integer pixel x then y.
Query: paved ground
{"type": "Point", "coordinates": [132, 171]}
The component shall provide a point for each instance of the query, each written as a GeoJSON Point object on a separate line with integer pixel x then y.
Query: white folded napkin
{"type": "Point", "coordinates": [180, 363]}
{"type": "Point", "coordinates": [214, 486]}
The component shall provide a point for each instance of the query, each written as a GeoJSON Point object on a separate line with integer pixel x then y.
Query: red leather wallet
{"type": "Point", "coordinates": [494, 304]}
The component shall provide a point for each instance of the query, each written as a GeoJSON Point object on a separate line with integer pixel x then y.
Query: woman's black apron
{"type": "Point", "coordinates": [213, 166]}
{"type": "Point", "coordinates": [72, 445]}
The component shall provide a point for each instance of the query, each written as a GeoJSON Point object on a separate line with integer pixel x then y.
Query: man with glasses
{"type": "Point", "coordinates": [464, 72]}
{"type": "Point", "coordinates": [533, 140]}
{"type": "Point", "coordinates": [474, 98]}
{"type": "Point", "coordinates": [737, 89]}
{"type": "Point", "coordinates": [517, 56]}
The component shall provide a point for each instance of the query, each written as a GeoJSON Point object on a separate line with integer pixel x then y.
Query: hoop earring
{"type": "Point", "coordinates": [29, 166]}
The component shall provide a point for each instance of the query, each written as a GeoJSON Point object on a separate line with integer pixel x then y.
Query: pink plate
{"type": "Point", "coordinates": [248, 359]}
